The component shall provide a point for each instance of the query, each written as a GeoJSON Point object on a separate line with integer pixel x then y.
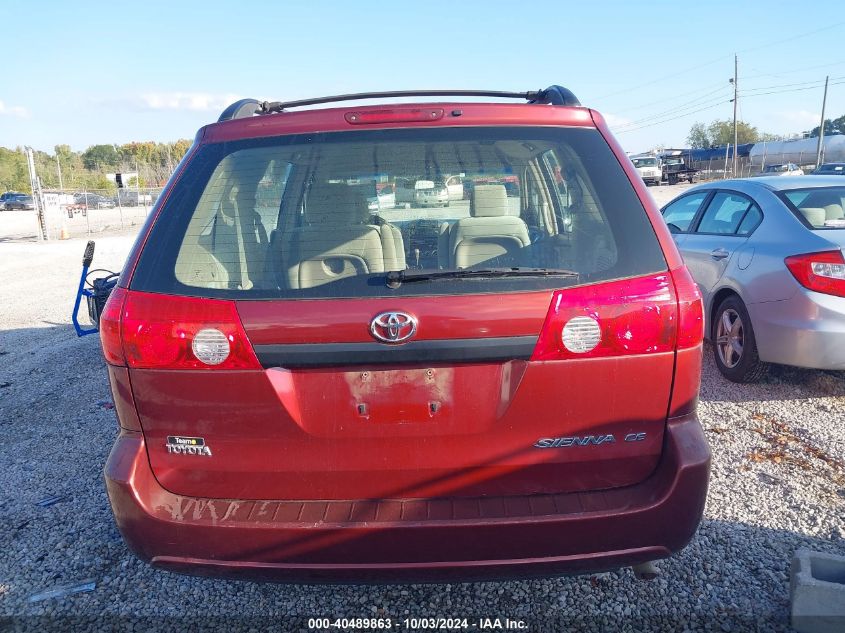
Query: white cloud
{"type": "Point", "coordinates": [192, 101]}
{"type": "Point", "coordinates": [800, 118]}
{"type": "Point", "coordinates": [614, 121]}
{"type": "Point", "coordinates": [17, 111]}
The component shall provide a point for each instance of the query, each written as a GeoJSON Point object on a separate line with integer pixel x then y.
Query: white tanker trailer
{"type": "Point", "coordinates": [800, 151]}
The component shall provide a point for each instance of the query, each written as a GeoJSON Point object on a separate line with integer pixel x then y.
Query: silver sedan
{"type": "Point", "coordinates": [767, 256]}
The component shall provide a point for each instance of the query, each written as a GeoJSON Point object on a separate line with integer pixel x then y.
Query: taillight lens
{"type": "Point", "coordinates": [820, 272]}
{"type": "Point", "coordinates": [110, 327]}
{"type": "Point", "coordinates": [690, 309]}
{"type": "Point", "coordinates": [167, 332]}
{"type": "Point", "coordinates": [632, 316]}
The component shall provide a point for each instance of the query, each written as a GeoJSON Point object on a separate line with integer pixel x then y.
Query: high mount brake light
{"type": "Point", "coordinates": [156, 331]}
{"type": "Point", "coordinates": [397, 115]}
{"type": "Point", "coordinates": [820, 272]}
{"type": "Point", "coordinates": [645, 315]}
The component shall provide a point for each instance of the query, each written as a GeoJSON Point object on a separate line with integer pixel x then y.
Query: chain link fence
{"type": "Point", "coordinates": [95, 211]}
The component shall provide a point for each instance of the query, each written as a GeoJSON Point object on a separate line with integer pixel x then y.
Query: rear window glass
{"type": "Point", "coordinates": [329, 215]}
{"type": "Point", "coordinates": [820, 207]}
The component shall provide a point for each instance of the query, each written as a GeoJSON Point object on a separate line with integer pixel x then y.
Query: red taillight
{"type": "Point", "coordinates": [167, 332]}
{"type": "Point", "coordinates": [690, 309]}
{"type": "Point", "coordinates": [632, 316]}
{"type": "Point", "coordinates": [110, 327]}
{"type": "Point", "coordinates": [820, 272]}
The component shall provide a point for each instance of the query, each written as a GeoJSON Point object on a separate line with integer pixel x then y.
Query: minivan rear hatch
{"type": "Point", "coordinates": [291, 337]}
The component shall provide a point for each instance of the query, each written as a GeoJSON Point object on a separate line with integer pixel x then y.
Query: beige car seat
{"type": "Point", "coordinates": [490, 234]}
{"type": "Point", "coordinates": [339, 239]}
{"type": "Point", "coordinates": [821, 206]}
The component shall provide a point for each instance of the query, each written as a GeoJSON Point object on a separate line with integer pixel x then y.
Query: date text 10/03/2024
{"type": "Point", "coordinates": [415, 624]}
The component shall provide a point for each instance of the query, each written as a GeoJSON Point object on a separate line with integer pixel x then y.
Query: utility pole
{"type": "Point", "coordinates": [736, 95]}
{"type": "Point", "coordinates": [59, 169]}
{"type": "Point", "coordinates": [37, 197]}
{"type": "Point", "coordinates": [820, 149]}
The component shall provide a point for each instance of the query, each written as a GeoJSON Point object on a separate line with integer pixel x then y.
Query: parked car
{"type": "Point", "coordinates": [384, 199]}
{"type": "Point", "coordinates": [335, 394]}
{"type": "Point", "coordinates": [19, 201]}
{"type": "Point", "coordinates": [785, 169]}
{"type": "Point", "coordinates": [89, 200]}
{"type": "Point", "coordinates": [9, 194]}
{"type": "Point", "coordinates": [829, 169]}
{"type": "Point", "coordinates": [454, 187]}
{"type": "Point", "coordinates": [767, 256]}
{"type": "Point", "coordinates": [420, 192]}
{"type": "Point", "coordinates": [132, 198]}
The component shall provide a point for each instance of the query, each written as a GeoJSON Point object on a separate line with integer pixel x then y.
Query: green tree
{"type": "Point", "coordinates": [698, 138]}
{"type": "Point", "coordinates": [720, 133]}
{"type": "Point", "coordinates": [99, 156]}
{"type": "Point", "coordinates": [831, 126]}
{"type": "Point", "coordinates": [14, 175]}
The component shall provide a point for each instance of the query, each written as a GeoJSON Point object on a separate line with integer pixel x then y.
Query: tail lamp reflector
{"type": "Point", "coordinates": [211, 346]}
{"type": "Point", "coordinates": [820, 272]}
{"type": "Point", "coordinates": [581, 334]}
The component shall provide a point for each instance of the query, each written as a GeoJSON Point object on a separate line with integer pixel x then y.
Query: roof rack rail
{"type": "Point", "coordinates": [553, 95]}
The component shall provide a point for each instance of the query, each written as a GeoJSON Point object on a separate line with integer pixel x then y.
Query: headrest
{"type": "Point", "coordinates": [336, 203]}
{"type": "Point", "coordinates": [489, 201]}
{"type": "Point", "coordinates": [815, 215]}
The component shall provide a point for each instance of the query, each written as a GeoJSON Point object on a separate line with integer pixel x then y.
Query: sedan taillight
{"type": "Point", "coordinates": [822, 272]}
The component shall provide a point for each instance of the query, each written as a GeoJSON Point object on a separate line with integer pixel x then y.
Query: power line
{"type": "Point", "coordinates": [794, 70]}
{"type": "Point", "coordinates": [815, 82]}
{"type": "Point", "coordinates": [794, 37]}
{"type": "Point", "coordinates": [700, 101]}
{"type": "Point", "coordinates": [777, 92]}
{"type": "Point", "coordinates": [668, 99]}
{"type": "Point", "coordinates": [710, 107]}
{"type": "Point", "coordinates": [661, 79]}
{"type": "Point", "coordinates": [719, 59]}
{"type": "Point", "coordinates": [674, 113]}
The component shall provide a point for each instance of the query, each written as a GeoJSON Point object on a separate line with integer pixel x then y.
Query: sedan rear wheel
{"type": "Point", "coordinates": [734, 344]}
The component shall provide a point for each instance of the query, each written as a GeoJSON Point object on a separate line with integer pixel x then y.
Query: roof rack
{"type": "Point", "coordinates": [553, 95]}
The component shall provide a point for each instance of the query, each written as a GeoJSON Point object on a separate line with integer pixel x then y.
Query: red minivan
{"type": "Point", "coordinates": [316, 384]}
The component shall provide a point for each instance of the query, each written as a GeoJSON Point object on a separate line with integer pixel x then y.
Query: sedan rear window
{"type": "Point", "coordinates": [333, 214]}
{"type": "Point", "coordinates": [820, 207]}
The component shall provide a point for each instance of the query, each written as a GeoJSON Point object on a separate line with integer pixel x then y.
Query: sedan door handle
{"type": "Point", "coordinates": [719, 253]}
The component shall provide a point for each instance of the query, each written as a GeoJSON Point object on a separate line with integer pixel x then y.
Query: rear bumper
{"type": "Point", "coordinates": [413, 540]}
{"type": "Point", "coordinates": [806, 330]}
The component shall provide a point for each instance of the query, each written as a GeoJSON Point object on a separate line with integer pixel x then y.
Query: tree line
{"type": "Point", "coordinates": [86, 170]}
{"type": "Point", "coordinates": [721, 132]}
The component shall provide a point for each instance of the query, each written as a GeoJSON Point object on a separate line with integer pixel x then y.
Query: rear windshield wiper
{"type": "Point", "coordinates": [396, 278]}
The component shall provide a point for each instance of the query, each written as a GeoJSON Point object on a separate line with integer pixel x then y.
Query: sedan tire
{"type": "Point", "coordinates": [734, 345]}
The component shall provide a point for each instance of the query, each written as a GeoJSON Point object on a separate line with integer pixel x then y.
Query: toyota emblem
{"type": "Point", "coordinates": [393, 327]}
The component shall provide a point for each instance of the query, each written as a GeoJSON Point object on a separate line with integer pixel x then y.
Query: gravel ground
{"type": "Point", "coordinates": [778, 483]}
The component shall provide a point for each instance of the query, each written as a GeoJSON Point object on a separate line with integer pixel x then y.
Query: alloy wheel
{"type": "Point", "coordinates": [730, 337]}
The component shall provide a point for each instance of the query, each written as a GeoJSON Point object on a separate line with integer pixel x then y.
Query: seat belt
{"type": "Point", "coordinates": [246, 284]}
